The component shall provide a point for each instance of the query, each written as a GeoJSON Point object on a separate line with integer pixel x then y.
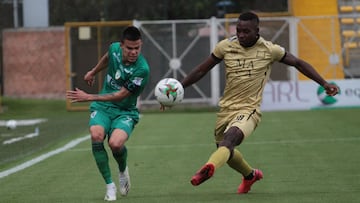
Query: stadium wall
{"type": "Point", "coordinates": [311, 46]}
{"type": "Point", "coordinates": [307, 95]}
{"type": "Point", "coordinates": [33, 61]}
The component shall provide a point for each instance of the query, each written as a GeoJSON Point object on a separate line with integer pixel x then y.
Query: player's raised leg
{"type": "Point", "coordinates": [206, 172]}
{"type": "Point", "coordinates": [124, 181]}
{"type": "Point", "coordinates": [124, 177]}
{"type": "Point", "coordinates": [216, 160]}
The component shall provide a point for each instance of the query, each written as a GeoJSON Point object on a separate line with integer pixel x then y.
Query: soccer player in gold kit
{"type": "Point", "coordinates": [247, 58]}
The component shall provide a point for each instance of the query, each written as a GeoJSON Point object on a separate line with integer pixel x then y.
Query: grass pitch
{"type": "Point", "coordinates": [306, 156]}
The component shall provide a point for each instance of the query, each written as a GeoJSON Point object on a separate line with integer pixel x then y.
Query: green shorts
{"type": "Point", "coordinates": [113, 118]}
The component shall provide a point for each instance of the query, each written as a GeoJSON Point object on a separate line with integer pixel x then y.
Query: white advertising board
{"type": "Point", "coordinates": [305, 95]}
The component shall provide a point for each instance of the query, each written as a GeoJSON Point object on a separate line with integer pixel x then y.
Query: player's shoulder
{"type": "Point", "coordinates": [114, 47]}
{"type": "Point", "coordinates": [142, 64]}
{"type": "Point", "coordinates": [115, 44]}
{"type": "Point", "coordinates": [276, 50]}
{"type": "Point", "coordinates": [142, 61]}
{"type": "Point", "coordinates": [229, 40]}
{"type": "Point", "coordinates": [267, 43]}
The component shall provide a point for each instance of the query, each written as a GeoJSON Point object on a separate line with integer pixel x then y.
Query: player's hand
{"type": "Point", "coordinates": [77, 95]}
{"type": "Point", "coordinates": [331, 89]}
{"type": "Point", "coordinates": [90, 78]}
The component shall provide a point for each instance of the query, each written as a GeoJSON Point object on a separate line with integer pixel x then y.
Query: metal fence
{"type": "Point", "coordinates": [174, 47]}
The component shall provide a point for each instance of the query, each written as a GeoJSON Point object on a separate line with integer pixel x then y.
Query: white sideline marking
{"type": "Point", "coordinates": [25, 122]}
{"type": "Point", "coordinates": [40, 158]}
{"type": "Point", "coordinates": [30, 135]}
{"type": "Point", "coordinates": [79, 140]}
{"type": "Point", "coordinates": [265, 142]}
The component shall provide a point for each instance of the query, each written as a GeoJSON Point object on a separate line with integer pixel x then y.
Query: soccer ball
{"type": "Point", "coordinates": [11, 124]}
{"type": "Point", "coordinates": [169, 92]}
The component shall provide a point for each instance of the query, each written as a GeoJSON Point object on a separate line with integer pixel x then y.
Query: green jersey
{"type": "Point", "coordinates": [133, 77]}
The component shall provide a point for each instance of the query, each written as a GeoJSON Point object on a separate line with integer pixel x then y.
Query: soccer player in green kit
{"type": "Point", "coordinates": [247, 58]}
{"type": "Point", "coordinates": [114, 113]}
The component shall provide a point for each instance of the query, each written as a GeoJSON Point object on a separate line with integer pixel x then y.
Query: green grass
{"type": "Point", "coordinates": [53, 132]}
{"type": "Point", "coordinates": [306, 156]}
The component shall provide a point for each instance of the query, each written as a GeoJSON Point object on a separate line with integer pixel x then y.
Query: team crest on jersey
{"type": "Point", "coordinates": [137, 81]}
{"type": "Point", "coordinates": [260, 54]}
{"type": "Point", "coordinates": [117, 75]}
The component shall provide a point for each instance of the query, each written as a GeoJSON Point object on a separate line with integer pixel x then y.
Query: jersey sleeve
{"type": "Point", "coordinates": [278, 52]}
{"type": "Point", "coordinates": [219, 51]}
{"type": "Point", "coordinates": [114, 47]}
{"type": "Point", "coordinates": [136, 83]}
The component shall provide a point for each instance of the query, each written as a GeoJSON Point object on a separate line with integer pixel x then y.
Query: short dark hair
{"type": "Point", "coordinates": [131, 33]}
{"type": "Point", "coordinates": [249, 16]}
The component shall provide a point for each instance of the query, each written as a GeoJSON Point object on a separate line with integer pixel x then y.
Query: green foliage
{"type": "Point", "coordinates": [62, 11]}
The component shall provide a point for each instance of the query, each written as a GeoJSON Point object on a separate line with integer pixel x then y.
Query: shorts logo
{"type": "Point", "coordinates": [93, 114]}
{"type": "Point", "coordinates": [128, 121]}
{"type": "Point", "coordinates": [240, 117]}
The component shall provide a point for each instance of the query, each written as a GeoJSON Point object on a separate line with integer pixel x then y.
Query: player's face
{"type": "Point", "coordinates": [131, 50]}
{"type": "Point", "coordinates": [247, 33]}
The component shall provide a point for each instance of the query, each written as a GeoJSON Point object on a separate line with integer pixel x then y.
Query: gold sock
{"type": "Point", "coordinates": [238, 163]}
{"type": "Point", "coordinates": [219, 157]}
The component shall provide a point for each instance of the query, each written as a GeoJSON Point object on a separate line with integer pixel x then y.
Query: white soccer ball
{"type": "Point", "coordinates": [11, 124]}
{"type": "Point", "coordinates": [169, 92]}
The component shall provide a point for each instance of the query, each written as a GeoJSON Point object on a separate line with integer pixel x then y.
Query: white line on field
{"type": "Point", "coordinates": [265, 142]}
{"type": "Point", "coordinates": [79, 140]}
{"type": "Point", "coordinates": [16, 139]}
{"type": "Point", "coordinates": [40, 158]}
{"type": "Point", "coordinates": [24, 122]}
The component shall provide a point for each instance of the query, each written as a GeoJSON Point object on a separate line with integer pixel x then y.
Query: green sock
{"type": "Point", "coordinates": [102, 160]}
{"type": "Point", "coordinates": [121, 157]}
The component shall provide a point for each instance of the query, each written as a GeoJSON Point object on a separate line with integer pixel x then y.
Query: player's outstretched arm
{"type": "Point", "coordinates": [79, 95]}
{"type": "Point", "coordinates": [310, 72]}
{"type": "Point", "coordinates": [101, 65]}
{"type": "Point", "coordinates": [199, 71]}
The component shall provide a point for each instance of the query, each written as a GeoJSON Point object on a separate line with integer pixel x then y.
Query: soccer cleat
{"type": "Point", "coordinates": [245, 186]}
{"type": "Point", "coordinates": [110, 192]}
{"type": "Point", "coordinates": [124, 180]}
{"type": "Point", "coordinates": [206, 172]}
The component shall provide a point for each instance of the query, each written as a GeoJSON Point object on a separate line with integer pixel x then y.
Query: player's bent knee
{"type": "Point", "coordinates": [232, 138]}
{"type": "Point", "coordinates": [227, 144]}
{"type": "Point", "coordinates": [115, 146]}
{"type": "Point", "coordinates": [97, 133]}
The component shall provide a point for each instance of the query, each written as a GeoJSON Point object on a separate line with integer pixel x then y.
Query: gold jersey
{"type": "Point", "coordinates": [247, 71]}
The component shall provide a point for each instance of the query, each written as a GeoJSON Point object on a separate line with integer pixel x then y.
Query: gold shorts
{"type": "Point", "coordinates": [247, 121]}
